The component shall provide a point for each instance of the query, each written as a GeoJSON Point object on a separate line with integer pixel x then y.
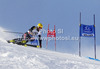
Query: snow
{"type": "Point", "coordinates": [13, 56]}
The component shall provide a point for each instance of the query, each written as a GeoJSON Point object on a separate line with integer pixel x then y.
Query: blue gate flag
{"type": "Point", "coordinates": [87, 30]}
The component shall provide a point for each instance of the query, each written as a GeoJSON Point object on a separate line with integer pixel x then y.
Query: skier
{"type": "Point", "coordinates": [29, 36]}
{"type": "Point", "coordinates": [31, 33]}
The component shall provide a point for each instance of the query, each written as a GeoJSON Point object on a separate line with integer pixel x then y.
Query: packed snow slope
{"type": "Point", "coordinates": [19, 57]}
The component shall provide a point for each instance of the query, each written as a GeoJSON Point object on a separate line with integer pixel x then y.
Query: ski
{"type": "Point", "coordinates": [22, 43]}
{"type": "Point", "coordinates": [32, 45]}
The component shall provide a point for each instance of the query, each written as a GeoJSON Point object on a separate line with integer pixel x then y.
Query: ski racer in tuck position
{"type": "Point", "coordinates": [29, 36]}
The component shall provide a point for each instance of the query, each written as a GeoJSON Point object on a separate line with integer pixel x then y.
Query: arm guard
{"type": "Point", "coordinates": [32, 28]}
